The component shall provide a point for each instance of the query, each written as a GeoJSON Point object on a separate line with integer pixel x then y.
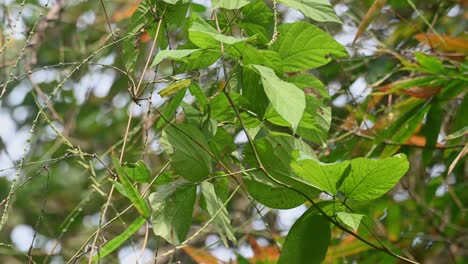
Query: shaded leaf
{"type": "Point", "coordinates": [137, 171]}
{"type": "Point", "coordinates": [213, 205]}
{"type": "Point", "coordinates": [170, 109]}
{"type": "Point", "coordinates": [130, 191]}
{"type": "Point", "coordinates": [172, 207]}
{"type": "Point", "coordinates": [188, 158]}
{"type": "Point", "coordinates": [307, 240]}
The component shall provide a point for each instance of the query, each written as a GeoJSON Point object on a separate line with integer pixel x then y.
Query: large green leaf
{"type": "Point", "coordinates": [228, 4]}
{"type": "Point", "coordinates": [205, 36]}
{"type": "Point", "coordinates": [275, 154]}
{"type": "Point", "coordinates": [115, 243]}
{"type": "Point", "coordinates": [303, 46]}
{"type": "Point", "coordinates": [307, 241]}
{"type": "Point", "coordinates": [130, 191]}
{"type": "Point", "coordinates": [188, 158]}
{"type": "Point", "coordinates": [286, 98]}
{"type": "Point", "coordinates": [370, 179]}
{"type": "Point", "coordinates": [137, 171]}
{"type": "Point", "coordinates": [318, 10]}
{"type": "Point", "coordinates": [172, 207]}
{"type": "Point", "coordinates": [213, 205]}
{"type": "Point", "coordinates": [327, 177]}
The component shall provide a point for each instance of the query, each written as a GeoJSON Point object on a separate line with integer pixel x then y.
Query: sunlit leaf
{"type": "Point", "coordinates": [303, 46]}
{"type": "Point", "coordinates": [318, 10]}
{"type": "Point", "coordinates": [287, 99]}
{"type": "Point", "coordinates": [370, 179]}
{"type": "Point", "coordinates": [350, 219]}
{"type": "Point", "coordinates": [229, 4]}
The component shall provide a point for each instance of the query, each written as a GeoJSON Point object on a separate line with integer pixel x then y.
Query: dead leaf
{"type": "Point", "coordinates": [201, 256]}
{"type": "Point", "coordinates": [445, 43]}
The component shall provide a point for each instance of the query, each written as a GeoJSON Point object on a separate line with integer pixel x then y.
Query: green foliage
{"type": "Point", "coordinates": [229, 114]}
{"type": "Point", "coordinates": [307, 241]}
{"type": "Point", "coordinates": [172, 207]}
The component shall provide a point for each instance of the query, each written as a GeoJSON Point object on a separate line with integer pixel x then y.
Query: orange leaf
{"type": "Point", "coordinates": [457, 44]}
{"type": "Point", "coordinates": [421, 92]}
{"type": "Point", "coordinates": [201, 256]}
{"type": "Point", "coordinates": [263, 253]}
{"type": "Point", "coordinates": [145, 37]}
{"type": "Point", "coordinates": [370, 15]}
{"type": "Point", "coordinates": [126, 13]}
{"type": "Point", "coordinates": [417, 141]}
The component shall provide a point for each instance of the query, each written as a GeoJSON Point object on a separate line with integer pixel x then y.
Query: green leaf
{"type": "Point", "coordinates": [258, 20]}
{"type": "Point", "coordinates": [198, 60]}
{"type": "Point", "coordinates": [213, 205]}
{"type": "Point", "coordinates": [458, 134]}
{"type": "Point", "coordinates": [188, 158]}
{"type": "Point", "coordinates": [197, 92]}
{"type": "Point", "coordinates": [174, 87]}
{"type": "Point", "coordinates": [173, 2]}
{"type": "Point", "coordinates": [228, 4]}
{"type": "Point", "coordinates": [171, 54]}
{"type": "Point", "coordinates": [318, 10]}
{"type": "Point", "coordinates": [370, 179]}
{"type": "Point", "coordinates": [172, 206]}
{"type": "Point", "coordinates": [307, 241]}
{"type": "Point", "coordinates": [303, 46]}
{"type": "Point", "coordinates": [403, 128]}
{"type": "Point", "coordinates": [205, 36]}
{"type": "Point", "coordinates": [287, 99]}
{"type": "Point", "coordinates": [327, 177]}
{"type": "Point", "coordinates": [112, 245]}
{"type": "Point", "coordinates": [252, 55]}
{"type": "Point", "coordinates": [130, 190]}
{"type": "Point", "coordinates": [138, 20]}
{"type": "Point", "coordinates": [137, 171]}
{"type": "Point", "coordinates": [170, 109]}
{"type": "Point", "coordinates": [275, 154]}
{"type": "Point", "coordinates": [349, 219]}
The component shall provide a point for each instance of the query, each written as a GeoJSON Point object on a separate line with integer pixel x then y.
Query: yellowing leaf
{"type": "Point", "coordinates": [175, 87]}
{"type": "Point", "coordinates": [370, 15]}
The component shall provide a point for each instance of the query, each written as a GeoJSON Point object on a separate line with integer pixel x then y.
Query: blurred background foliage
{"type": "Point", "coordinates": [401, 90]}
